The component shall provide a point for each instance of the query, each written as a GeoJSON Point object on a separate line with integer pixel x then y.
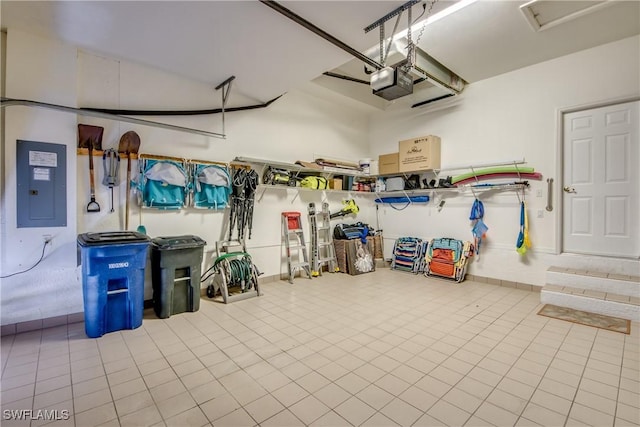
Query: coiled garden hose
{"type": "Point", "coordinates": [237, 267]}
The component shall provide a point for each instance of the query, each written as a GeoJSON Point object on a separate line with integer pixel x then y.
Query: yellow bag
{"type": "Point", "coordinates": [314, 182]}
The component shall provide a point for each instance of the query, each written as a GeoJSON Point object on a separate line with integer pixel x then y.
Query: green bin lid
{"type": "Point", "coordinates": [177, 242]}
{"type": "Point", "coordinates": [111, 238]}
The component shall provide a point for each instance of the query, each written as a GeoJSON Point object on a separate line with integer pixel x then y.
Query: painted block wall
{"type": "Point", "coordinates": [45, 70]}
{"type": "Point", "coordinates": [508, 117]}
{"type": "Point", "coordinates": [297, 126]}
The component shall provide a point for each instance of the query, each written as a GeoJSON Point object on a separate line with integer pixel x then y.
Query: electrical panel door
{"type": "Point", "coordinates": [42, 184]}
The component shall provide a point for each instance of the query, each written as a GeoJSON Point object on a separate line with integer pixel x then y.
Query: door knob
{"type": "Point", "coordinates": [568, 189]}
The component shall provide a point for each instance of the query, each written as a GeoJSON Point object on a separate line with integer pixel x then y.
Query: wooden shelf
{"type": "Point", "coordinates": [99, 153]}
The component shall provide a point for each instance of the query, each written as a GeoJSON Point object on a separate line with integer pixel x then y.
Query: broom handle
{"type": "Point", "coordinates": [126, 214]}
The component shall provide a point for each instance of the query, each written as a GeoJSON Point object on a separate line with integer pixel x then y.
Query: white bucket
{"type": "Point", "coordinates": [374, 167]}
{"type": "Point", "coordinates": [365, 165]}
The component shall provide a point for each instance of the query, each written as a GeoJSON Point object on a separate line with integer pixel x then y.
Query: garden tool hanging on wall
{"type": "Point", "coordinates": [349, 207]}
{"type": "Point", "coordinates": [91, 137]}
{"type": "Point", "coordinates": [111, 164]}
{"type": "Point", "coordinates": [479, 228]}
{"type": "Point", "coordinates": [129, 144]}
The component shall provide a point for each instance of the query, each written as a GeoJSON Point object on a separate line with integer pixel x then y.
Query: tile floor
{"type": "Point", "coordinates": [380, 349]}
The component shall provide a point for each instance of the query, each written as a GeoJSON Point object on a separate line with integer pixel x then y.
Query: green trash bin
{"type": "Point", "coordinates": [176, 268]}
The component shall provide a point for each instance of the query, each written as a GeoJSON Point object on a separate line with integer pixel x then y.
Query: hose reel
{"type": "Point", "coordinates": [233, 270]}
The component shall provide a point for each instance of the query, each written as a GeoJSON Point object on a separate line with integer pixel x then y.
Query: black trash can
{"type": "Point", "coordinates": [113, 266]}
{"type": "Point", "coordinates": [176, 267]}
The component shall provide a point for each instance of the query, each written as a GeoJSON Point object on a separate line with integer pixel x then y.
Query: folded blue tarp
{"type": "Point", "coordinates": [403, 199]}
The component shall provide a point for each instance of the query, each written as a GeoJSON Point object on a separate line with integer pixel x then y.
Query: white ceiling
{"type": "Point", "coordinates": [269, 54]}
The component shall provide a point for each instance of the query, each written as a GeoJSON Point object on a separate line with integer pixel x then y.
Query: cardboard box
{"type": "Point", "coordinates": [419, 154]}
{"type": "Point", "coordinates": [340, 247]}
{"type": "Point", "coordinates": [388, 163]}
{"type": "Point", "coordinates": [335, 183]}
{"type": "Point", "coordinates": [378, 248]}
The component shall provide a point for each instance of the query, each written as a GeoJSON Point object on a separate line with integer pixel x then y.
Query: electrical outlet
{"type": "Point", "coordinates": [540, 213]}
{"type": "Point", "coordinates": [47, 238]}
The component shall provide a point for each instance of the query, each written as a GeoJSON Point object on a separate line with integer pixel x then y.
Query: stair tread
{"type": "Point", "coordinates": [588, 293]}
{"type": "Point", "coordinates": [578, 272]}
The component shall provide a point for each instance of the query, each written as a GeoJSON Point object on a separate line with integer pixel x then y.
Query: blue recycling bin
{"type": "Point", "coordinates": [113, 266]}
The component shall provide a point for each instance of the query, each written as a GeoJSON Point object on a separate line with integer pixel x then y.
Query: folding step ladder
{"type": "Point", "coordinates": [294, 239]}
{"type": "Point", "coordinates": [322, 250]}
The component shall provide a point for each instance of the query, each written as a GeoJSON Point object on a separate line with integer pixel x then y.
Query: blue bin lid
{"type": "Point", "coordinates": [177, 242]}
{"type": "Point", "coordinates": [112, 238]}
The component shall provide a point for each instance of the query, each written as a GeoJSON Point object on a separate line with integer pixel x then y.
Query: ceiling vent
{"type": "Point", "coordinates": [544, 14]}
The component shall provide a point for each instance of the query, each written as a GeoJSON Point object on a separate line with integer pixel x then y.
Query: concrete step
{"type": "Point", "coordinates": [608, 283]}
{"type": "Point", "coordinates": [624, 266]}
{"type": "Point", "coordinates": [593, 301]}
{"type": "Point", "coordinates": [595, 291]}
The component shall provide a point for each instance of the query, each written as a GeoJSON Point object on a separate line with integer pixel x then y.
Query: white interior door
{"type": "Point", "coordinates": [601, 181]}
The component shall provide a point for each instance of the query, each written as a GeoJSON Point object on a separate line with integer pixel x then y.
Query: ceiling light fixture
{"type": "Point", "coordinates": [438, 16]}
{"type": "Point", "coordinates": [448, 11]}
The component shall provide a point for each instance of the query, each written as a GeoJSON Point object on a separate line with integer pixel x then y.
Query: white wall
{"type": "Point", "coordinates": [508, 117]}
{"type": "Point", "coordinates": [44, 70]}
{"type": "Point", "coordinates": [3, 72]}
{"type": "Point", "coordinates": [297, 126]}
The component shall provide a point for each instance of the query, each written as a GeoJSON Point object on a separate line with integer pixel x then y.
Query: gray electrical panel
{"type": "Point", "coordinates": [42, 184]}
